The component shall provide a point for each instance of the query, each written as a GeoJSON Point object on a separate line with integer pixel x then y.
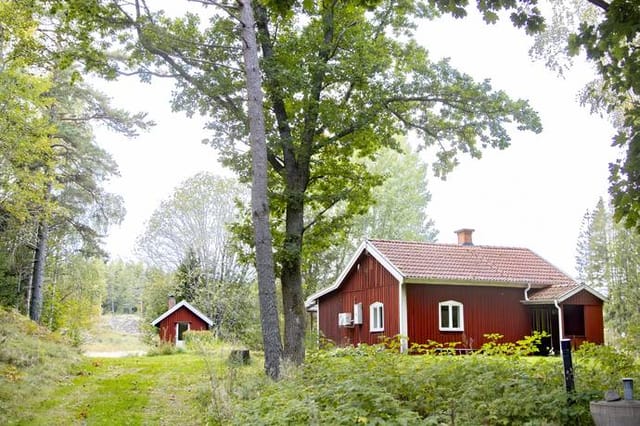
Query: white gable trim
{"type": "Point", "coordinates": [369, 248]}
{"type": "Point", "coordinates": [385, 262]}
{"type": "Point", "coordinates": [177, 306]}
{"type": "Point", "coordinates": [563, 297]}
{"type": "Point", "coordinates": [577, 290]}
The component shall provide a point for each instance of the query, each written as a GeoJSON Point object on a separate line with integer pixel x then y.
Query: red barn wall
{"type": "Point", "coordinates": [168, 325]}
{"type": "Point", "coordinates": [486, 310]}
{"type": "Point", "coordinates": [593, 320]}
{"type": "Point", "coordinates": [366, 283]}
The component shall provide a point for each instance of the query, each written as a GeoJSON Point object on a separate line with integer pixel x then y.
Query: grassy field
{"type": "Point", "coordinates": [157, 390]}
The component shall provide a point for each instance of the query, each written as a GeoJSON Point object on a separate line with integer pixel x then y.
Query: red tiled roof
{"type": "Point", "coordinates": [552, 292]}
{"type": "Point", "coordinates": [450, 262]}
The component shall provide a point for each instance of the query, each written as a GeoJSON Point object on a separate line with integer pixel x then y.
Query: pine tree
{"type": "Point", "coordinates": [608, 260]}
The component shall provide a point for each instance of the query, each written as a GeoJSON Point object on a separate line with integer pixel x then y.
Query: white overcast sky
{"type": "Point", "coordinates": [533, 194]}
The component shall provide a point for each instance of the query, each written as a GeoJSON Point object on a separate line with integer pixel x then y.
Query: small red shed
{"type": "Point", "coordinates": [178, 319]}
{"type": "Point", "coordinates": [454, 293]}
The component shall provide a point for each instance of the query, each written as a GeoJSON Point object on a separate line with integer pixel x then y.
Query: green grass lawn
{"type": "Point", "coordinates": [169, 389]}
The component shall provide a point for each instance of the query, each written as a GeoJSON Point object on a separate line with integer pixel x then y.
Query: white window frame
{"type": "Point", "coordinates": [450, 304]}
{"type": "Point", "coordinates": [376, 317]}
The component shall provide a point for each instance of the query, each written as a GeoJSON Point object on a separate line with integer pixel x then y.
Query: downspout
{"type": "Point", "coordinates": [526, 292]}
{"type": "Point", "coordinates": [318, 322]}
{"type": "Point", "coordinates": [403, 329]}
{"type": "Point", "coordinates": [560, 328]}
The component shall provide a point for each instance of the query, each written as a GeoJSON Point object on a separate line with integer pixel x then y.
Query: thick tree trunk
{"type": "Point", "coordinates": [291, 279]}
{"type": "Point", "coordinates": [259, 200]}
{"type": "Point", "coordinates": [37, 278]}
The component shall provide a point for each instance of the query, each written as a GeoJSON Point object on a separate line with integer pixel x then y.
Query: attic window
{"type": "Point", "coordinates": [451, 316]}
{"type": "Point", "coordinates": [376, 317]}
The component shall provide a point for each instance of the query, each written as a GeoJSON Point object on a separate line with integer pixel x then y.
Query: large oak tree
{"type": "Point", "coordinates": [342, 79]}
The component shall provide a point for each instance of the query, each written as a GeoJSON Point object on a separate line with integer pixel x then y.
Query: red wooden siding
{"type": "Point", "coordinates": [593, 321]}
{"type": "Point", "coordinates": [366, 283]}
{"type": "Point", "coordinates": [486, 310]}
{"type": "Point", "coordinates": [583, 298]}
{"type": "Point", "coordinates": [168, 325]}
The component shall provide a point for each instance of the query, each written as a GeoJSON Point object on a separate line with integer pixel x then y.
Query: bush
{"type": "Point", "coordinates": [599, 368]}
{"type": "Point", "coordinates": [376, 385]}
{"type": "Point", "coordinates": [164, 348]}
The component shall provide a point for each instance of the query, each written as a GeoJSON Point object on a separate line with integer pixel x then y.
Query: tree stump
{"type": "Point", "coordinates": [239, 356]}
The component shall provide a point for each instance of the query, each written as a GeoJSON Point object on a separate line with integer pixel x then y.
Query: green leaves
{"type": "Point", "coordinates": [371, 385]}
{"type": "Point", "coordinates": [611, 44]}
{"type": "Point", "coordinates": [524, 13]}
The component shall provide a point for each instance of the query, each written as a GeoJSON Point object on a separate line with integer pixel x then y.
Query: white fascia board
{"type": "Point", "coordinates": [578, 289]}
{"type": "Point", "coordinates": [313, 299]}
{"type": "Point", "coordinates": [177, 306]}
{"type": "Point", "coordinates": [385, 262]}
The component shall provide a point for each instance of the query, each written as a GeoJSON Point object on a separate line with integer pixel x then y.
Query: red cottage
{"type": "Point", "coordinates": [454, 293]}
{"type": "Point", "coordinates": [178, 319]}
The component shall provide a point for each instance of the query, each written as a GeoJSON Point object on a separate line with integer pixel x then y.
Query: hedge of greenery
{"type": "Point", "coordinates": [377, 385]}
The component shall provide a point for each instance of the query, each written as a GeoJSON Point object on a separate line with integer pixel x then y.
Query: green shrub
{"type": "Point", "coordinates": [164, 348]}
{"type": "Point", "coordinates": [378, 385]}
{"type": "Point", "coordinates": [599, 368]}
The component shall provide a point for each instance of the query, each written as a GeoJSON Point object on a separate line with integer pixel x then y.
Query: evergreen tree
{"type": "Point", "coordinates": [609, 260]}
{"type": "Point", "coordinates": [189, 277]}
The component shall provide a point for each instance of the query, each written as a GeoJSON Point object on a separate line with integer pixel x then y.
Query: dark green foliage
{"type": "Point", "coordinates": [523, 13]}
{"type": "Point", "coordinates": [189, 277]}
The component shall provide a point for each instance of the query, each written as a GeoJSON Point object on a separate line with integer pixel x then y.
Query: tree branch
{"type": "Point", "coordinates": [601, 4]}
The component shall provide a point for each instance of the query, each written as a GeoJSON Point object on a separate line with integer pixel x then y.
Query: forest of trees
{"type": "Point", "coordinates": [309, 103]}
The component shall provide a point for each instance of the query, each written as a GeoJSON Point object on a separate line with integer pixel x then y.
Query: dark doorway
{"type": "Point", "coordinates": [573, 320]}
{"type": "Point", "coordinates": [544, 318]}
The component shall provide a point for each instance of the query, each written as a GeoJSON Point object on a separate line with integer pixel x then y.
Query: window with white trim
{"type": "Point", "coordinates": [451, 316]}
{"type": "Point", "coordinates": [376, 317]}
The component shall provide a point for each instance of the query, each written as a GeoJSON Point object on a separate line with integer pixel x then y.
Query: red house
{"type": "Point", "coordinates": [454, 293]}
{"type": "Point", "coordinates": [178, 319]}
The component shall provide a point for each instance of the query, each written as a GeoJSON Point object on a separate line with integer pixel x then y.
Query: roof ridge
{"type": "Point", "coordinates": [373, 240]}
